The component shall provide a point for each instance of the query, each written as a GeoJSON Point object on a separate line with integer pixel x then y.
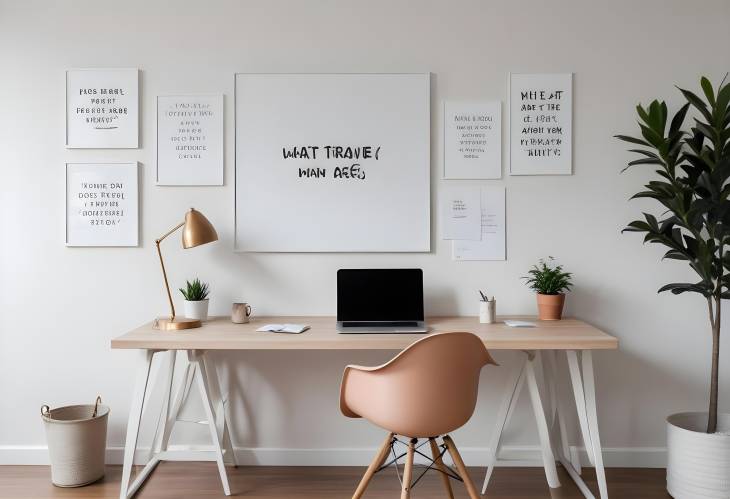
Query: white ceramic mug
{"type": "Point", "coordinates": [241, 313]}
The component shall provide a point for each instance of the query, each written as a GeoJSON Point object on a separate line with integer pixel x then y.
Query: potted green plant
{"type": "Point", "coordinates": [692, 169]}
{"type": "Point", "coordinates": [196, 299]}
{"type": "Point", "coordinates": [550, 283]}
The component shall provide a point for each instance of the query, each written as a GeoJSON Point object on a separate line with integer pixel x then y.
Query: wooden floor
{"type": "Point", "coordinates": [200, 480]}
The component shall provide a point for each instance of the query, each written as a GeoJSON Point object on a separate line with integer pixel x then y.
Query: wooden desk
{"type": "Point", "coordinates": [572, 336]}
{"type": "Point", "coordinates": [221, 334]}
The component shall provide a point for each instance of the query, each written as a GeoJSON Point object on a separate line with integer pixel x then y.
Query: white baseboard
{"type": "Point", "coordinates": [615, 457]}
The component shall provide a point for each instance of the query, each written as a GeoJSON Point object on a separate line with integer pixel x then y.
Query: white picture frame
{"type": "Point", "coordinates": [102, 204]}
{"type": "Point", "coordinates": [541, 123]}
{"type": "Point", "coordinates": [190, 131]}
{"type": "Point", "coordinates": [102, 108]}
{"type": "Point", "coordinates": [278, 210]}
{"type": "Point", "coordinates": [473, 139]}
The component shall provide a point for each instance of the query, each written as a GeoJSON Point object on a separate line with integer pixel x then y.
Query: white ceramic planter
{"type": "Point", "coordinates": [698, 464]}
{"type": "Point", "coordinates": [197, 310]}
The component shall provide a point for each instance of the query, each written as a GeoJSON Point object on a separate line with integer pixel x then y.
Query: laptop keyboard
{"type": "Point", "coordinates": [380, 324]}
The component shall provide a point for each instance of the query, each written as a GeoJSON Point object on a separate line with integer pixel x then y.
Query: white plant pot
{"type": "Point", "coordinates": [197, 309]}
{"type": "Point", "coordinates": [698, 463]}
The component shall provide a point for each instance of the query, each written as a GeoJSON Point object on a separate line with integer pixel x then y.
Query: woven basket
{"type": "Point", "coordinates": [76, 436]}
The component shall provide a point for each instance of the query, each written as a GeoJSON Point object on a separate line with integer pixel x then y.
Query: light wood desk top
{"type": "Point", "coordinates": [221, 334]}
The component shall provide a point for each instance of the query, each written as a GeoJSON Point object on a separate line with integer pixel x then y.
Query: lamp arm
{"type": "Point", "coordinates": [159, 240]}
{"type": "Point", "coordinates": [164, 273]}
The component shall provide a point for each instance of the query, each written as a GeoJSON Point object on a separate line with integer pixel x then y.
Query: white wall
{"type": "Point", "coordinates": [59, 306]}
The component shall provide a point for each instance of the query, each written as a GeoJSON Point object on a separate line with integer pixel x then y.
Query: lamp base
{"type": "Point", "coordinates": [176, 324]}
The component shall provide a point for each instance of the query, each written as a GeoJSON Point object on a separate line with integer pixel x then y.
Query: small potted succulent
{"type": "Point", "coordinates": [196, 299]}
{"type": "Point", "coordinates": [550, 283]}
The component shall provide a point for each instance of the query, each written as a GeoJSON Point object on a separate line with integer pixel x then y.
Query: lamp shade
{"type": "Point", "coordinates": [197, 230]}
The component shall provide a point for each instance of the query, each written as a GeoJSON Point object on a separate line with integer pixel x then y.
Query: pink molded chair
{"type": "Point", "coordinates": [426, 391]}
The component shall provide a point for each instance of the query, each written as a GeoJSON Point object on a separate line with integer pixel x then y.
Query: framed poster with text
{"type": "Point", "coordinates": [190, 139]}
{"type": "Point", "coordinates": [473, 140]}
{"type": "Point", "coordinates": [102, 204]}
{"type": "Point", "coordinates": [333, 162]}
{"type": "Point", "coordinates": [102, 108]}
{"type": "Point", "coordinates": [541, 124]}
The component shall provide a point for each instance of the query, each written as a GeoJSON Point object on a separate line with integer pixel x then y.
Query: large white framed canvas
{"type": "Point", "coordinates": [102, 108]}
{"type": "Point", "coordinates": [541, 124]}
{"type": "Point", "coordinates": [332, 162]}
{"type": "Point", "coordinates": [472, 140]}
{"type": "Point", "coordinates": [102, 202]}
{"type": "Point", "coordinates": [190, 139]}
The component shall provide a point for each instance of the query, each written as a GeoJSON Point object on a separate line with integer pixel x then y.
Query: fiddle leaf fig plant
{"type": "Point", "coordinates": [692, 167]}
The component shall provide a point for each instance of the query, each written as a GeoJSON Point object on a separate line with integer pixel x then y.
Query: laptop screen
{"type": "Point", "coordinates": [370, 295]}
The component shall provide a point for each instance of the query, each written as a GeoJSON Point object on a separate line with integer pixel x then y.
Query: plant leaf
{"type": "Point", "coordinates": [707, 89]}
{"type": "Point", "coordinates": [633, 140]}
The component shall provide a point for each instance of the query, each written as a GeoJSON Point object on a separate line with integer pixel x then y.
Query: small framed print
{"type": "Point", "coordinates": [473, 140]}
{"type": "Point", "coordinates": [102, 108]}
{"type": "Point", "coordinates": [102, 204]}
{"type": "Point", "coordinates": [541, 124]}
{"type": "Point", "coordinates": [190, 139]}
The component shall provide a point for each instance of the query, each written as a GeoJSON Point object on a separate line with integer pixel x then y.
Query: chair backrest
{"type": "Point", "coordinates": [429, 389]}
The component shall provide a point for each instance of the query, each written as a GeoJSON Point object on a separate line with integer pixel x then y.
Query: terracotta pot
{"type": "Point", "coordinates": [550, 307]}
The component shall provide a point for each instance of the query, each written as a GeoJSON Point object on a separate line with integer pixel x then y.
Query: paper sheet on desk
{"type": "Point", "coordinates": [520, 324]}
{"type": "Point", "coordinates": [283, 328]}
{"type": "Point", "coordinates": [492, 245]}
{"type": "Point", "coordinates": [460, 210]}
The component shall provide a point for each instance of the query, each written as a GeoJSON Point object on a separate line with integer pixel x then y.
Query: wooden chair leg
{"type": "Point", "coordinates": [408, 471]}
{"type": "Point", "coordinates": [470, 488]}
{"type": "Point", "coordinates": [374, 465]}
{"type": "Point", "coordinates": [441, 466]}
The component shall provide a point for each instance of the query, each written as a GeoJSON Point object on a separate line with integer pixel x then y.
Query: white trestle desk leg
{"type": "Point", "coordinates": [551, 472]}
{"type": "Point", "coordinates": [160, 429]}
{"type": "Point", "coordinates": [228, 443]}
{"type": "Point", "coordinates": [512, 390]}
{"type": "Point", "coordinates": [135, 416]}
{"type": "Point", "coordinates": [566, 456]}
{"type": "Point", "coordinates": [552, 403]}
{"type": "Point", "coordinates": [222, 423]}
{"type": "Point", "coordinates": [185, 382]}
{"type": "Point", "coordinates": [204, 387]}
{"type": "Point", "coordinates": [590, 396]}
{"type": "Point", "coordinates": [580, 402]}
{"type": "Point", "coordinates": [558, 410]}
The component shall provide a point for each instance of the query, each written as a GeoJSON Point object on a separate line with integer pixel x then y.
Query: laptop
{"type": "Point", "coordinates": [380, 301]}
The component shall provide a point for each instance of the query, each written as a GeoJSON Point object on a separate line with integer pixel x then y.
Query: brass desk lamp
{"type": "Point", "coordinates": [197, 230]}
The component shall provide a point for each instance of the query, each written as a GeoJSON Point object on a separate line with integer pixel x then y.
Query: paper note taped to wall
{"type": "Point", "coordinates": [460, 209]}
{"type": "Point", "coordinates": [492, 245]}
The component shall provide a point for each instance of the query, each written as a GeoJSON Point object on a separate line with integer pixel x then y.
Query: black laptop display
{"type": "Point", "coordinates": [380, 300]}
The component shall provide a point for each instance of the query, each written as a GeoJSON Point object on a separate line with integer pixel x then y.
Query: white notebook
{"type": "Point", "coordinates": [284, 328]}
{"type": "Point", "coordinates": [520, 324]}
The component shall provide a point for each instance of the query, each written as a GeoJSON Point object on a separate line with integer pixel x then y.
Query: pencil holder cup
{"type": "Point", "coordinates": [488, 312]}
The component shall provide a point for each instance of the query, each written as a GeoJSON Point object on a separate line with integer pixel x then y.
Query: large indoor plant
{"type": "Point", "coordinates": [692, 166]}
